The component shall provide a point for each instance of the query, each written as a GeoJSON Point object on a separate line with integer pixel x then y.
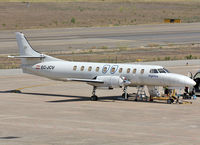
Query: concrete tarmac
{"type": "Point", "coordinates": [68, 39]}
{"type": "Point", "coordinates": [48, 112]}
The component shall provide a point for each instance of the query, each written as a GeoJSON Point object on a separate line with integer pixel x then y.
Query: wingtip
{"type": "Point", "coordinates": [9, 56]}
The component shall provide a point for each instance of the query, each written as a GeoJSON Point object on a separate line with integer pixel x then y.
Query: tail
{"type": "Point", "coordinates": [25, 48]}
{"type": "Point", "coordinates": [28, 55]}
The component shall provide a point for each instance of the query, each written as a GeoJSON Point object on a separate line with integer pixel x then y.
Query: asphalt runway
{"type": "Point", "coordinates": [68, 39]}
{"type": "Point", "coordinates": [49, 112]}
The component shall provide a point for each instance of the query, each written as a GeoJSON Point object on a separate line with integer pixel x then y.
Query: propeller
{"type": "Point", "coordinates": [125, 82]}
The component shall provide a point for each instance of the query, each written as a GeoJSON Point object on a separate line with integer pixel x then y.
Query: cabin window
{"type": "Point", "coordinates": [128, 70]}
{"type": "Point", "coordinates": [113, 70]}
{"type": "Point", "coordinates": [89, 68]}
{"type": "Point", "coordinates": [75, 67]}
{"type": "Point", "coordinates": [153, 71]}
{"type": "Point", "coordinates": [134, 71]}
{"type": "Point", "coordinates": [82, 68]}
{"type": "Point", "coordinates": [120, 70]}
{"type": "Point", "coordinates": [105, 69]}
{"type": "Point", "coordinates": [97, 69]}
{"type": "Point", "coordinates": [142, 71]}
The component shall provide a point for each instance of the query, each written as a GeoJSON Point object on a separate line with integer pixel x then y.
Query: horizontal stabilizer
{"type": "Point", "coordinates": [24, 56]}
{"type": "Point", "coordinates": [85, 80]}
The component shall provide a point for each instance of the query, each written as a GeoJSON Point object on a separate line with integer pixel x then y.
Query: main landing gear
{"type": "Point", "coordinates": [125, 95]}
{"type": "Point", "coordinates": [94, 97]}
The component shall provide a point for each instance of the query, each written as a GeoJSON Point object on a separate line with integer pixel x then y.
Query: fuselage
{"type": "Point", "coordinates": [150, 75]}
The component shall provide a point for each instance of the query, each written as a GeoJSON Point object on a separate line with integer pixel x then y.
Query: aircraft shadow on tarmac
{"type": "Point", "coordinates": [9, 137]}
{"type": "Point", "coordinates": [78, 98]}
{"type": "Point", "coordinates": [75, 98]}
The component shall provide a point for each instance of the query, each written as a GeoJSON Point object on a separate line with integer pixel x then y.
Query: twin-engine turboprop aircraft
{"type": "Point", "coordinates": [99, 75]}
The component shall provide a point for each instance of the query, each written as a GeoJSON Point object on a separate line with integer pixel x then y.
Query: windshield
{"type": "Point", "coordinates": [166, 70]}
{"type": "Point", "coordinates": [153, 71]}
{"type": "Point", "coordinates": [160, 70]}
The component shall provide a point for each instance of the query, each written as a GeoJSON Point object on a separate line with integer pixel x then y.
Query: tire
{"type": "Point", "coordinates": [94, 98]}
{"type": "Point", "coordinates": [123, 95]}
{"type": "Point", "coordinates": [169, 101]}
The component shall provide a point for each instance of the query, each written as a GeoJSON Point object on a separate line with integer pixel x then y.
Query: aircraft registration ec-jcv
{"type": "Point", "coordinates": [99, 75]}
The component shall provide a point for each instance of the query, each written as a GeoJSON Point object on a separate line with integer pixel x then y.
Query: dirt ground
{"type": "Point", "coordinates": [23, 15]}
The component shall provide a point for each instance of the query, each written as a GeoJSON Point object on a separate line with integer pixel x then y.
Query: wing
{"type": "Point", "coordinates": [86, 80]}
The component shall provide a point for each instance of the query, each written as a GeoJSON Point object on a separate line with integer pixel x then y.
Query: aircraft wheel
{"type": "Point", "coordinates": [94, 98]}
{"type": "Point", "coordinates": [123, 95]}
{"type": "Point", "coordinates": [169, 101]}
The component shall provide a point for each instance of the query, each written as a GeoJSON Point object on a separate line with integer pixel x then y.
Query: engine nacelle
{"type": "Point", "coordinates": [112, 81]}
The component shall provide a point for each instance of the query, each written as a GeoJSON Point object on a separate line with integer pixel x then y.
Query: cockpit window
{"type": "Point", "coordinates": [161, 70]}
{"type": "Point", "coordinates": [153, 71]}
{"type": "Point", "coordinates": [166, 70]}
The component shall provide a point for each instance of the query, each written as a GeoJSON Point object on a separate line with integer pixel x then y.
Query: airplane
{"type": "Point", "coordinates": [99, 75]}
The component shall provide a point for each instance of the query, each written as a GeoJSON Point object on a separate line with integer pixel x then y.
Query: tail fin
{"type": "Point", "coordinates": [27, 55]}
{"type": "Point", "coordinates": [25, 48]}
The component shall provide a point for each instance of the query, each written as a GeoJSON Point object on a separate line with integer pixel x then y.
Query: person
{"type": "Point", "coordinates": [194, 97]}
{"type": "Point", "coordinates": [166, 91]}
{"type": "Point", "coordinates": [186, 90]}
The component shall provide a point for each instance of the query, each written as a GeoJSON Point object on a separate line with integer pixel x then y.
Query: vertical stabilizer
{"type": "Point", "coordinates": [24, 47]}
{"type": "Point", "coordinates": [28, 56]}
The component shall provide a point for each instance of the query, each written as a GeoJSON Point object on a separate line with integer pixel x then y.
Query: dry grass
{"type": "Point", "coordinates": [177, 52]}
{"type": "Point", "coordinates": [86, 14]}
{"type": "Point", "coordinates": [154, 53]}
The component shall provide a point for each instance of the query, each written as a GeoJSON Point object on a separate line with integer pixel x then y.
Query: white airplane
{"type": "Point", "coordinates": [99, 75]}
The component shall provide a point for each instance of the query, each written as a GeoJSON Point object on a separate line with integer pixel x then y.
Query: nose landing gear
{"type": "Point", "coordinates": [94, 97]}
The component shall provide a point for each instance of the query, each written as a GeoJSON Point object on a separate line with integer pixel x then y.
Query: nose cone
{"type": "Point", "coordinates": [176, 80]}
{"type": "Point", "coordinates": [190, 82]}
{"type": "Point", "coordinates": [185, 81]}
